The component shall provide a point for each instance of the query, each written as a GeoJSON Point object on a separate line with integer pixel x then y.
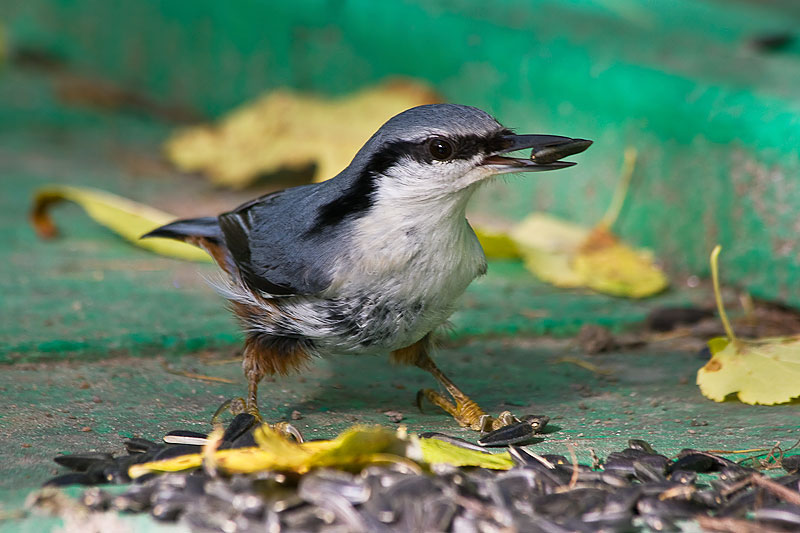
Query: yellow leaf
{"type": "Point", "coordinates": [357, 445]}
{"type": "Point", "coordinates": [285, 130]}
{"type": "Point", "coordinates": [184, 462]}
{"type": "Point", "coordinates": [568, 255]}
{"type": "Point", "coordinates": [548, 245]}
{"type": "Point", "coordinates": [555, 269]}
{"type": "Point", "coordinates": [497, 244]}
{"type": "Point", "coordinates": [354, 447]}
{"type": "Point", "coordinates": [435, 451]}
{"type": "Point", "coordinates": [353, 450]}
{"type": "Point", "coordinates": [766, 371]}
{"type": "Point", "coordinates": [125, 217]}
{"type": "Point", "coordinates": [611, 267]}
{"type": "Point", "coordinates": [717, 344]}
{"type": "Point", "coordinates": [540, 231]}
{"type": "Point", "coordinates": [762, 371]}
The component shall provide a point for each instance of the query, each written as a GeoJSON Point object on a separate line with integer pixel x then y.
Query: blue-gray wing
{"type": "Point", "coordinates": [270, 242]}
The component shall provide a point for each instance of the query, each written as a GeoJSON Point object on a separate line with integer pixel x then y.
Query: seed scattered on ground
{"type": "Point", "coordinates": [634, 489]}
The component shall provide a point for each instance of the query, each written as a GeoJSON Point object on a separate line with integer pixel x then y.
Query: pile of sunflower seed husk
{"type": "Point", "coordinates": [636, 489]}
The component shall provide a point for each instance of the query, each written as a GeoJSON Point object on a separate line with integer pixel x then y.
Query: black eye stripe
{"type": "Point", "coordinates": [468, 146]}
{"type": "Point", "coordinates": [465, 147]}
{"type": "Point", "coordinates": [358, 199]}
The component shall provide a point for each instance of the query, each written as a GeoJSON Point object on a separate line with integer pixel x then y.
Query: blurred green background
{"type": "Point", "coordinates": [706, 90]}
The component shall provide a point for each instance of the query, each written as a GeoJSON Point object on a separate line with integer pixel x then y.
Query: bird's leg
{"type": "Point", "coordinates": [250, 405]}
{"type": "Point", "coordinates": [259, 361]}
{"type": "Point", "coordinates": [466, 412]}
{"type": "Point", "coordinates": [254, 377]}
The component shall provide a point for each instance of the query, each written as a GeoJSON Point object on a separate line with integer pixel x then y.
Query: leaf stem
{"type": "Point", "coordinates": [628, 165]}
{"type": "Point", "coordinates": [723, 316]}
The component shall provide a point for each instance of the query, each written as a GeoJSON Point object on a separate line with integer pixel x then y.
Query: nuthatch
{"type": "Point", "coordinates": [373, 259]}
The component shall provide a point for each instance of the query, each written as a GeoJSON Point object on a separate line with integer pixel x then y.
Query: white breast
{"type": "Point", "coordinates": [408, 264]}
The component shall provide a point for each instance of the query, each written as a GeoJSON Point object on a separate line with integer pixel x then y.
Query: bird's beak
{"type": "Point", "coordinates": [546, 151]}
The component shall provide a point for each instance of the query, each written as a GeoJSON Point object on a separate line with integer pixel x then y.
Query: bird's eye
{"type": "Point", "coordinates": [441, 149]}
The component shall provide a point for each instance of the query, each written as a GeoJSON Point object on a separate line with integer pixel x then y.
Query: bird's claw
{"type": "Point", "coordinates": [289, 431]}
{"type": "Point", "coordinates": [466, 412]}
{"type": "Point", "coordinates": [488, 423]}
{"type": "Point", "coordinates": [238, 406]}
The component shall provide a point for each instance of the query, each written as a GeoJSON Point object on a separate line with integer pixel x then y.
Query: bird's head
{"type": "Point", "coordinates": [441, 149]}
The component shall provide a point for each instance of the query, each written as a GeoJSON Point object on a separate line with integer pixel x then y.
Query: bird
{"type": "Point", "coordinates": [373, 259]}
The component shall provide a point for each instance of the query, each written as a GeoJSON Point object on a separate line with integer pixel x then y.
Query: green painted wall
{"type": "Point", "coordinates": [716, 121]}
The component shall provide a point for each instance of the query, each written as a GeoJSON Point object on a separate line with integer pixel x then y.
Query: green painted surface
{"type": "Point", "coordinates": [715, 120]}
{"type": "Point", "coordinates": [90, 294]}
{"type": "Point", "coordinates": [717, 128]}
{"type": "Point", "coordinates": [651, 396]}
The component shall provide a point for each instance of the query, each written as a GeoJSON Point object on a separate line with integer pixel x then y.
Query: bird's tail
{"type": "Point", "coordinates": [181, 230]}
{"type": "Point", "coordinates": [202, 232]}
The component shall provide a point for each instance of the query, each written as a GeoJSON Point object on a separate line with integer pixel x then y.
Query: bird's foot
{"type": "Point", "coordinates": [238, 406]}
{"type": "Point", "coordinates": [466, 412]}
{"type": "Point", "coordinates": [288, 431]}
